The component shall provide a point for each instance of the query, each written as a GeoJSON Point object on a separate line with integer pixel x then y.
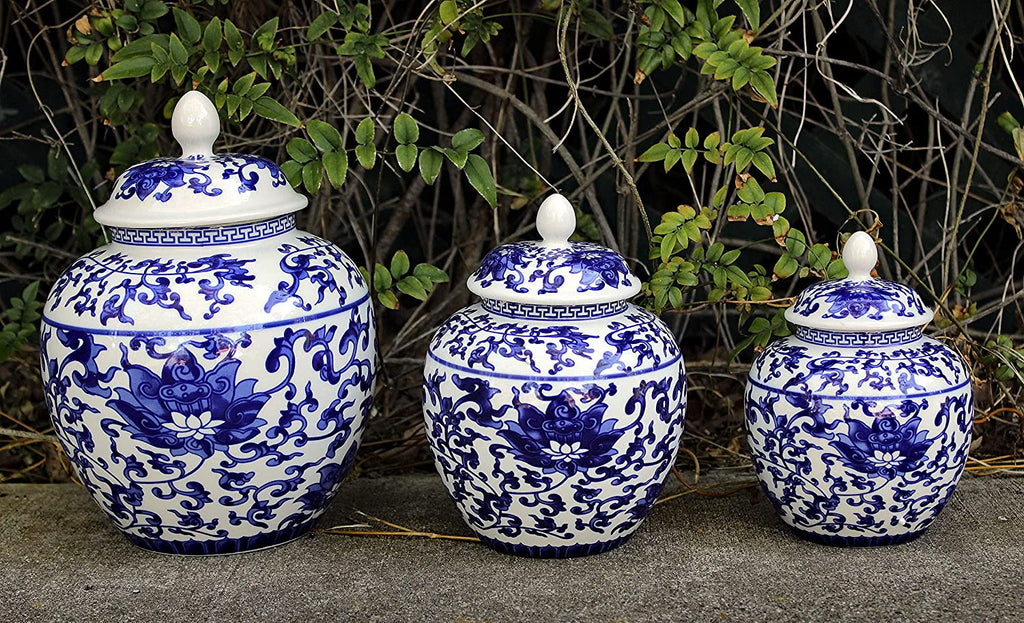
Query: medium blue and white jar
{"type": "Point", "coordinates": [554, 407]}
{"type": "Point", "coordinates": [859, 424]}
{"type": "Point", "coordinates": [210, 371]}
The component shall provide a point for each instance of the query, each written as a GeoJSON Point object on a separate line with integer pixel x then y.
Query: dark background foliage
{"type": "Point", "coordinates": [897, 117]}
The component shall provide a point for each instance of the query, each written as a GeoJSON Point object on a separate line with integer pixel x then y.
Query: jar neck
{"type": "Point", "coordinates": [204, 236]}
{"type": "Point", "coordinates": [823, 337]}
{"type": "Point", "coordinates": [530, 311]}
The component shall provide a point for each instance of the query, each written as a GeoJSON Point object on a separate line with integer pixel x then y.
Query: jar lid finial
{"type": "Point", "coordinates": [195, 125]}
{"type": "Point", "coordinates": [860, 256]}
{"type": "Point", "coordinates": [556, 220]}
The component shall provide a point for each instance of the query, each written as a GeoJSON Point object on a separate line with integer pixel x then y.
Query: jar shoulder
{"type": "Point", "coordinates": [920, 365]}
{"type": "Point", "coordinates": [630, 342]}
{"type": "Point", "coordinates": [123, 286]}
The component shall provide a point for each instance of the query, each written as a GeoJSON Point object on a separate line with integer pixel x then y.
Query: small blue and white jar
{"type": "Point", "coordinates": [210, 371]}
{"type": "Point", "coordinates": [859, 424]}
{"type": "Point", "coordinates": [554, 407]}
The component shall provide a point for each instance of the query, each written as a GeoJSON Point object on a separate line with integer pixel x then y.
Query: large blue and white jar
{"type": "Point", "coordinates": [859, 424]}
{"type": "Point", "coordinates": [210, 371]}
{"type": "Point", "coordinates": [554, 407]}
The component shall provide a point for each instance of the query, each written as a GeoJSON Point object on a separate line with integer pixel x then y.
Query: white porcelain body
{"type": "Point", "coordinates": [210, 385]}
{"type": "Point", "coordinates": [554, 428]}
{"type": "Point", "coordinates": [859, 438]}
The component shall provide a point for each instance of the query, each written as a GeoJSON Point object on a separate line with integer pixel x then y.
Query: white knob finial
{"type": "Point", "coordinates": [195, 124]}
{"type": "Point", "coordinates": [860, 256]}
{"type": "Point", "coordinates": [556, 220]}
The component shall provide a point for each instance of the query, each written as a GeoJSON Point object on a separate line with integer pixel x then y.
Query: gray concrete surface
{"type": "Point", "coordinates": [696, 559]}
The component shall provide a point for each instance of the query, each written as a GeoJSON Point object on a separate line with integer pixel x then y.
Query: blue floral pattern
{"type": "Point", "coordinates": [530, 267]}
{"type": "Point", "coordinates": [546, 452]}
{"type": "Point", "coordinates": [870, 300]}
{"type": "Point", "coordinates": [564, 437]}
{"type": "Point", "coordinates": [202, 437]}
{"type": "Point", "coordinates": [858, 445]}
{"type": "Point", "coordinates": [161, 176]}
{"type": "Point", "coordinates": [187, 408]}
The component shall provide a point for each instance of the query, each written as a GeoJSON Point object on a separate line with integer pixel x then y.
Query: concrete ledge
{"type": "Point", "coordinates": [696, 559]}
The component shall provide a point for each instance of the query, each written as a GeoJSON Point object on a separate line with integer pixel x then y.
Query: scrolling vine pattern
{"type": "Point", "coordinates": [278, 448]}
{"type": "Point", "coordinates": [561, 463]}
{"type": "Point", "coordinates": [160, 177]}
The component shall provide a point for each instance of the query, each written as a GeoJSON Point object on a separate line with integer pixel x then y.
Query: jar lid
{"type": "Point", "coordinates": [199, 188]}
{"type": "Point", "coordinates": [859, 302]}
{"type": "Point", "coordinates": [554, 271]}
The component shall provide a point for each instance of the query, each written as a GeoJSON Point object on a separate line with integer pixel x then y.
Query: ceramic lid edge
{"type": "Point", "coordinates": [200, 187]}
{"type": "Point", "coordinates": [554, 271]}
{"type": "Point", "coordinates": [859, 302]}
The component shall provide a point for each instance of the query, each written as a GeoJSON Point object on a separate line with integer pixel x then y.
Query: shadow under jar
{"type": "Point", "coordinates": [554, 407]}
{"type": "Point", "coordinates": [859, 425]}
{"type": "Point", "coordinates": [210, 371]}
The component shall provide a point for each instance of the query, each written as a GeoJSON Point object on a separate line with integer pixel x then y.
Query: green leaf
{"type": "Point", "coordinates": [467, 140]}
{"type": "Point", "coordinates": [786, 266]}
{"type": "Point", "coordinates": [692, 138]}
{"type": "Point", "coordinates": [738, 212]}
{"type": "Point", "coordinates": [321, 25]}
{"type": "Point", "coordinates": [819, 256]}
{"type": "Point", "coordinates": [293, 171]}
{"type": "Point", "coordinates": [448, 12]}
{"type": "Point", "coordinates": [134, 67]}
{"type": "Point", "coordinates": [675, 11]}
{"type": "Point", "coordinates": [366, 155]}
{"type": "Point", "coordinates": [364, 69]}
{"type": "Point", "coordinates": [430, 165]}
{"type": "Point", "coordinates": [388, 299]}
{"type": "Point", "coordinates": [796, 243]}
{"type": "Point", "coordinates": [179, 55]}
{"type": "Point", "coordinates": [336, 165]}
{"type": "Point", "coordinates": [736, 275]}
{"type": "Point", "coordinates": [675, 297]}
{"type": "Point", "coordinates": [752, 9]}
{"type": "Point", "coordinates": [381, 278]}
{"type": "Point", "coordinates": [232, 36]}
{"type": "Point", "coordinates": [836, 269]}
{"type": "Point", "coordinates": [762, 82]}
{"type": "Point", "coordinates": [431, 273]}
{"type": "Point", "coordinates": [595, 23]}
{"type": "Point", "coordinates": [764, 164]}
{"type": "Point", "coordinates": [458, 158]}
{"type": "Point", "coordinates": [655, 153]}
{"type": "Point", "coordinates": [365, 131]}
{"type": "Point", "coordinates": [187, 27]}
{"type": "Point", "coordinates": [406, 156]}
{"type": "Point", "coordinates": [213, 35]}
{"type": "Point", "coordinates": [411, 286]}
{"type": "Point", "coordinates": [269, 108]}
{"type": "Point", "coordinates": [399, 264]}
{"type": "Point", "coordinates": [479, 175]}
{"type": "Point", "coordinates": [667, 246]}
{"type": "Point", "coordinates": [301, 150]}
{"type": "Point", "coordinates": [265, 34]}
{"type": "Point", "coordinates": [689, 159]}
{"type": "Point", "coordinates": [243, 84]}
{"type": "Point", "coordinates": [407, 131]}
{"type": "Point", "coordinates": [152, 10]}
{"type": "Point", "coordinates": [325, 136]}
{"type": "Point", "coordinates": [312, 176]}
{"type": "Point", "coordinates": [93, 53]}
